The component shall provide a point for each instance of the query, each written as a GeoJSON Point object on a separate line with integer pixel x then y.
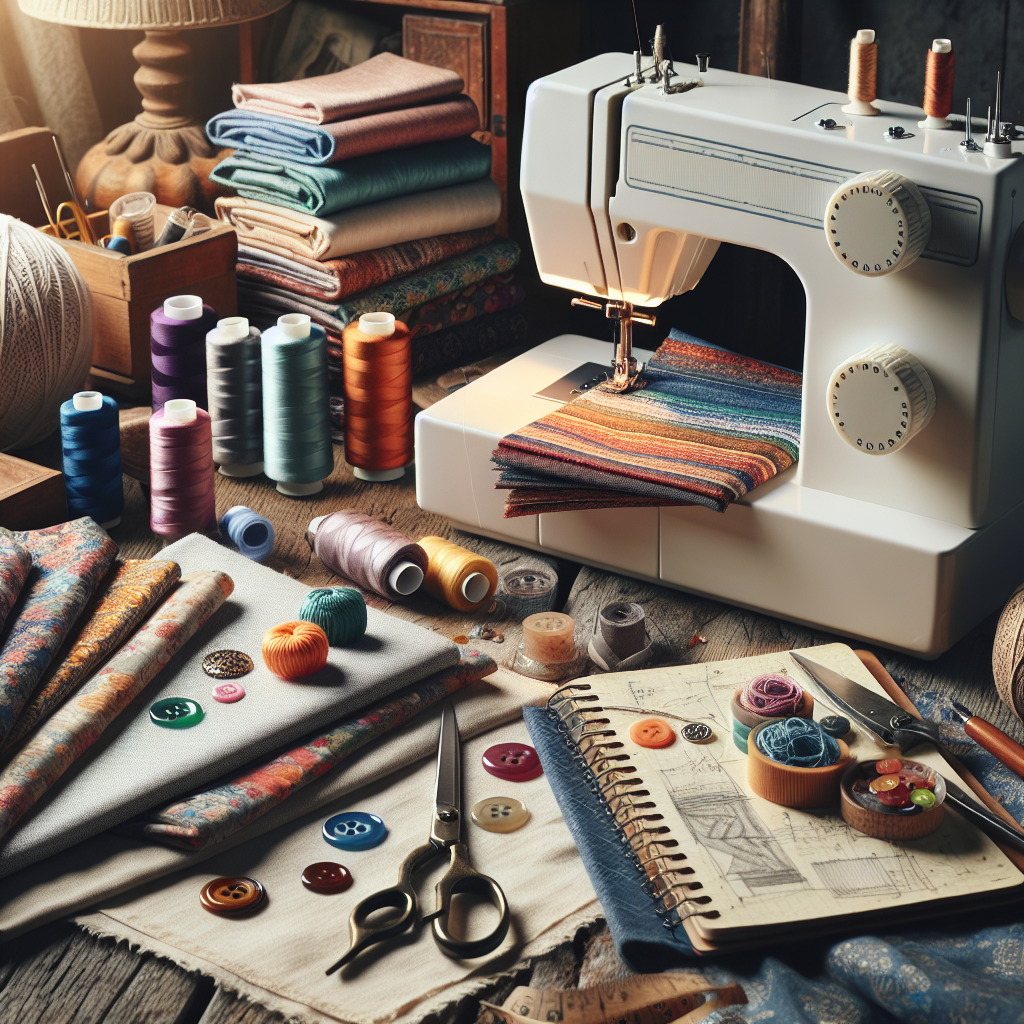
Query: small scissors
{"type": "Point", "coordinates": [445, 835]}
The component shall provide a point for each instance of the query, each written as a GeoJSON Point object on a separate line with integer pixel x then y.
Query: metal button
{"type": "Point", "coordinates": [231, 895]}
{"type": "Point", "coordinates": [500, 814]}
{"type": "Point", "coordinates": [512, 762]}
{"type": "Point", "coordinates": [355, 830]}
{"type": "Point", "coordinates": [228, 693]}
{"type": "Point", "coordinates": [227, 664]}
{"type": "Point", "coordinates": [697, 732]}
{"type": "Point", "coordinates": [176, 713]}
{"type": "Point", "coordinates": [327, 877]}
{"type": "Point", "coordinates": [652, 732]}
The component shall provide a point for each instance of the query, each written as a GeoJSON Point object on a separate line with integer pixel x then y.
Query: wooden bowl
{"type": "Point", "coordinates": [895, 828]}
{"type": "Point", "coordinates": [790, 786]}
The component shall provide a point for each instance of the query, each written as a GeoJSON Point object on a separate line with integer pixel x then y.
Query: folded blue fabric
{"type": "Point", "coordinates": [366, 179]}
{"type": "Point", "coordinates": [271, 136]}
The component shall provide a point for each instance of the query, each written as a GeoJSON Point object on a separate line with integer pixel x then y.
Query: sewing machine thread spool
{"type": "Point", "coordinates": [623, 627]}
{"type": "Point", "coordinates": [939, 73]}
{"type": "Point", "coordinates": [549, 638]}
{"type": "Point", "coordinates": [177, 341]}
{"type": "Point", "coordinates": [461, 579]}
{"type": "Point", "coordinates": [863, 74]}
{"type": "Point", "coordinates": [527, 591]}
{"type": "Point", "coordinates": [252, 534]}
{"type": "Point", "coordinates": [234, 382]}
{"type": "Point", "coordinates": [91, 445]}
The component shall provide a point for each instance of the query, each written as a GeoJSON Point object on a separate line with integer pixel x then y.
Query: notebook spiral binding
{"type": "Point", "coordinates": [661, 872]}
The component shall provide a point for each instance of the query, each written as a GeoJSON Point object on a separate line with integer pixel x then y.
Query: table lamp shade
{"type": "Point", "coordinates": [168, 15]}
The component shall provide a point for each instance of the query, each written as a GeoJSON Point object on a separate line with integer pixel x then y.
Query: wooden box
{"type": "Point", "coordinates": [126, 289]}
{"type": "Point", "coordinates": [31, 496]}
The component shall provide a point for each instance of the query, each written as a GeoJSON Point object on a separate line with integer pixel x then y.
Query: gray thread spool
{"type": "Point", "coordinates": [623, 628]}
{"type": "Point", "coordinates": [526, 592]}
{"type": "Point", "coordinates": [235, 393]}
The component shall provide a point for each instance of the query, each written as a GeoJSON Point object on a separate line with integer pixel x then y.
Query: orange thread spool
{"type": "Point", "coordinates": [295, 649]}
{"type": "Point", "coordinates": [377, 358]}
{"type": "Point", "coordinates": [863, 74]}
{"type": "Point", "coordinates": [939, 72]}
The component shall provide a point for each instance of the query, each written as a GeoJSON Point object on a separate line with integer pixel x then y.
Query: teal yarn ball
{"type": "Point", "coordinates": [339, 611]}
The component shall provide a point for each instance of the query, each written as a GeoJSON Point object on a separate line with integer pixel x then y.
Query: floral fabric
{"type": "Point", "coordinates": [492, 295]}
{"type": "Point", "coordinates": [15, 563]}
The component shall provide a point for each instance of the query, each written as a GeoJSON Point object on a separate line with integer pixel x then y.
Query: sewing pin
{"type": "Point", "coordinates": [43, 199]}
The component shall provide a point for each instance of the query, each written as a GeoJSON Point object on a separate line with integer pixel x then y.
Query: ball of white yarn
{"type": "Point", "coordinates": [45, 333]}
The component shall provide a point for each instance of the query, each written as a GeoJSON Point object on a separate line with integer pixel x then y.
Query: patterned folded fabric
{"type": "Point", "coordinates": [384, 82]}
{"type": "Point", "coordinates": [492, 295]}
{"type": "Point", "coordinates": [356, 182]}
{"type": "Point", "coordinates": [707, 427]}
{"type": "Point", "coordinates": [123, 600]}
{"type": "Point", "coordinates": [76, 726]}
{"type": "Point", "coordinates": [15, 564]}
{"type": "Point", "coordinates": [287, 139]}
{"type": "Point", "coordinates": [68, 562]}
{"type": "Point", "coordinates": [340, 278]}
{"type": "Point", "coordinates": [295, 235]}
{"type": "Point", "coordinates": [213, 815]}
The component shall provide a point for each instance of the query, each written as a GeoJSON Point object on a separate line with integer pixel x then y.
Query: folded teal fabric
{"type": "Point", "coordinates": [366, 179]}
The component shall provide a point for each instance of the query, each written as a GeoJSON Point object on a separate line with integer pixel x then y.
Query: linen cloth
{"type": "Point", "coordinates": [291, 234]}
{"type": "Point", "coordinates": [287, 139]}
{"type": "Point", "coordinates": [364, 179]}
{"type": "Point", "coordinates": [707, 427]}
{"type": "Point", "coordinates": [384, 82]}
{"type": "Point", "coordinates": [15, 565]}
{"type": "Point", "coordinates": [68, 562]}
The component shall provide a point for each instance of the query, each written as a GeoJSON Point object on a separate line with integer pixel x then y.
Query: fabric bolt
{"type": "Point", "coordinates": [124, 599]}
{"type": "Point", "coordinates": [492, 295]}
{"type": "Point", "coordinates": [15, 565]}
{"type": "Point", "coordinates": [708, 426]}
{"type": "Point", "coordinates": [292, 234]}
{"type": "Point", "coordinates": [356, 182]}
{"type": "Point", "coordinates": [76, 726]}
{"type": "Point", "coordinates": [68, 563]}
{"type": "Point", "coordinates": [288, 139]}
{"type": "Point", "coordinates": [384, 82]}
{"type": "Point", "coordinates": [339, 278]}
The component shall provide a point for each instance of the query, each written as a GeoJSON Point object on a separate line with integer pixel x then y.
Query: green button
{"type": "Point", "coordinates": [176, 713]}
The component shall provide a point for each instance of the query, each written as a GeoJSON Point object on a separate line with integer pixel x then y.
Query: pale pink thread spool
{"type": "Point", "coordinates": [548, 638]}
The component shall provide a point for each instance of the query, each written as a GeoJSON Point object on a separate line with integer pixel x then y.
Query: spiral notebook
{"type": "Point", "coordinates": [733, 869]}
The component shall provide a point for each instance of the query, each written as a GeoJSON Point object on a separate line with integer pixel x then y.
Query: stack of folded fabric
{"type": "Point", "coordinates": [364, 191]}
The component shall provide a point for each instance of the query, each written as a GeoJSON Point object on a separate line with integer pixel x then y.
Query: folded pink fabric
{"type": "Point", "coordinates": [384, 82]}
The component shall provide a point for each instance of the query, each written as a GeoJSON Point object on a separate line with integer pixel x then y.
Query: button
{"type": "Point", "coordinates": [923, 798]}
{"type": "Point", "coordinates": [652, 732]}
{"type": "Point", "coordinates": [499, 814]}
{"type": "Point", "coordinates": [228, 693]}
{"type": "Point", "coordinates": [697, 732]}
{"type": "Point", "coordinates": [327, 877]}
{"type": "Point", "coordinates": [884, 783]}
{"type": "Point", "coordinates": [355, 830]}
{"type": "Point", "coordinates": [898, 796]}
{"type": "Point", "coordinates": [512, 762]}
{"type": "Point", "coordinates": [835, 725]}
{"type": "Point", "coordinates": [227, 664]}
{"type": "Point", "coordinates": [890, 766]}
{"type": "Point", "coordinates": [176, 713]}
{"type": "Point", "coordinates": [231, 895]}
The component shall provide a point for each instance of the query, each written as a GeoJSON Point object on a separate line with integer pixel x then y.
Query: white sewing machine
{"type": "Point", "coordinates": [903, 521]}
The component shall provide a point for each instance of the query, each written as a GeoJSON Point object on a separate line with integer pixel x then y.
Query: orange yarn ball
{"type": "Point", "coordinates": [295, 649]}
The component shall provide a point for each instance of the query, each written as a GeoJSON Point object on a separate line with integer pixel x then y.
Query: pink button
{"type": "Point", "coordinates": [513, 762]}
{"type": "Point", "coordinates": [228, 693]}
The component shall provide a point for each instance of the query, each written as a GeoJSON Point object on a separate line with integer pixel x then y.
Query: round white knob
{"type": "Point", "coordinates": [877, 223]}
{"type": "Point", "coordinates": [880, 399]}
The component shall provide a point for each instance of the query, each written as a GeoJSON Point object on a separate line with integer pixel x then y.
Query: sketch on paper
{"type": "Point", "coordinates": [872, 876]}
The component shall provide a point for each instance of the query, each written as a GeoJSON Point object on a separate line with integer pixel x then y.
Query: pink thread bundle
{"type": "Point", "coordinates": [181, 475]}
{"type": "Point", "coordinates": [771, 696]}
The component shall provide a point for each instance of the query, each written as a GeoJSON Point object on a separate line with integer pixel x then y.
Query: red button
{"type": "Point", "coordinates": [326, 876]}
{"type": "Point", "coordinates": [513, 762]}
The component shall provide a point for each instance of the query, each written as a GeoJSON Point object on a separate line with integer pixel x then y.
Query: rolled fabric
{"type": "Point", "coordinates": [293, 234]}
{"type": "Point", "coordinates": [15, 564]}
{"type": "Point", "coordinates": [68, 563]}
{"type": "Point", "coordinates": [211, 816]}
{"type": "Point", "coordinates": [287, 139]}
{"type": "Point", "coordinates": [76, 726]}
{"type": "Point", "coordinates": [124, 599]}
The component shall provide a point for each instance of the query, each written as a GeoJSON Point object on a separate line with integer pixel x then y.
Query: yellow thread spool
{"type": "Point", "coordinates": [461, 579]}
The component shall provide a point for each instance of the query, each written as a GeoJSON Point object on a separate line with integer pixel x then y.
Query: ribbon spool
{"type": "Point", "coordinates": [939, 73]}
{"type": "Point", "coordinates": [90, 440]}
{"type": "Point", "coordinates": [294, 650]}
{"type": "Point", "coordinates": [339, 611]}
{"type": "Point", "coordinates": [863, 74]}
{"type": "Point", "coordinates": [462, 579]}
{"type": "Point", "coordinates": [791, 786]}
{"type": "Point", "coordinates": [804, 708]}
{"type": "Point", "coordinates": [234, 382]}
{"type": "Point", "coordinates": [620, 638]}
{"type": "Point", "coordinates": [252, 534]}
{"type": "Point", "coordinates": [895, 828]}
{"type": "Point", "coordinates": [377, 358]}
{"type": "Point", "coordinates": [177, 342]}
{"type": "Point", "coordinates": [527, 591]}
{"type": "Point", "coordinates": [297, 448]}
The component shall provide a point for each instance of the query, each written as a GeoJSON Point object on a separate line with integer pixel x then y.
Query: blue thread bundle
{"type": "Point", "coordinates": [91, 442]}
{"type": "Point", "coordinates": [798, 742]}
{"type": "Point", "coordinates": [339, 611]}
{"type": "Point", "coordinates": [250, 533]}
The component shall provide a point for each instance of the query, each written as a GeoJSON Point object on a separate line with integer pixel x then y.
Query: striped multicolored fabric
{"type": "Point", "coordinates": [708, 427]}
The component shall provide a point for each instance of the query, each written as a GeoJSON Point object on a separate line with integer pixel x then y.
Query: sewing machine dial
{"type": "Point", "coordinates": [877, 223]}
{"type": "Point", "coordinates": [880, 399]}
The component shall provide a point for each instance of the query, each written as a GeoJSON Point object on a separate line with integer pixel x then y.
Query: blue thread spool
{"type": "Point", "coordinates": [250, 533]}
{"type": "Point", "coordinates": [339, 611]}
{"type": "Point", "coordinates": [297, 448]}
{"type": "Point", "coordinates": [91, 442]}
{"type": "Point", "coordinates": [118, 243]}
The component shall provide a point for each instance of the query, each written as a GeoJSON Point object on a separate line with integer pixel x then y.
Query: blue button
{"type": "Point", "coordinates": [355, 830]}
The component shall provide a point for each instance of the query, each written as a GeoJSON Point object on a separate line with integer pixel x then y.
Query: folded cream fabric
{"type": "Point", "coordinates": [476, 204]}
{"type": "Point", "coordinates": [384, 82]}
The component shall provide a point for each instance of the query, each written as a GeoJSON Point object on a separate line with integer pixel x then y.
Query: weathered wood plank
{"type": "Point", "coordinates": [230, 1008]}
{"type": "Point", "coordinates": [159, 992]}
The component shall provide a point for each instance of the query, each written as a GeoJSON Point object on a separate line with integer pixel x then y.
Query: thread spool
{"type": "Point", "coordinates": [297, 450]}
{"type": "Point", "coordinates": [136, 208]}
{"type": "Point", "coordinates": [91, 444]}
{"type": "Point", "coordinates": [623, 628]}
{"type": "Point", "coordinates": [790, 786]}
{"type": "Point", "coordinates": [123, 234]}
{"type": "Point", "coordinates": [462, 579]}
{"type": "Point", "coordinates": [770, 696]}
{"type": "Point", "coordinates": [372, 554]}
{"type": "Point", "coordinates": [527, 592]}
{"type": "Point", "coordinates": [863, 74]}
{"type": "Point", "coordinates": [252, 534]}
{"type": "Point", "coordinates": [177, 342]}
{"type": "Point", "coordinates": [548, 638]}
{"type": "Point", "coordinates": [377, 358]}
{"type": "Point", "coordinates": [234, 383]}
{"type": "Point", "coordinates": [294, 650]}
{"type": "Point", "coordinates": [939, 74]}
{"type": "Point", "coordinates": [181, 470]}
{"type": "Point", "coordinates": [339, 611]}
{"type": "Point", "coordinates": [1008, 654]}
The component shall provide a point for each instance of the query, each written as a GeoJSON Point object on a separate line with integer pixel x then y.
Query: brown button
{"type": "Point", "coordinates": [326, 876]}
{"type": "Point", "coordinates": [231, 895]}
{"type": "Point", "coordinates": [227, 664]}
{"type": "Point", "coordinates": [500, 814]}
{"type": "Point", "coordinates": [652, 732]}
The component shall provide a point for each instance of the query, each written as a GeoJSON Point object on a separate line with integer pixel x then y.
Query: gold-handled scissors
{"type": "Point", "coordinates": [445, 838]}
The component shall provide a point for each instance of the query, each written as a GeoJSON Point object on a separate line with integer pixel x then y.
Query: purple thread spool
{"type": "Point", "coordinates": [181, 471]}
{"type": "Point", "coordinates": [177, 342]}
{"type": "Point", "coordinates": [771, 696]}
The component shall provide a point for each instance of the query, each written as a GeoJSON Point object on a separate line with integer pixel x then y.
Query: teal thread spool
{"type": "Point", "coordinates": [339, 611]}
{"type": "Point", "coordinates": [297, 449]}
{"type": "Point", "coordinates": [740, 732]}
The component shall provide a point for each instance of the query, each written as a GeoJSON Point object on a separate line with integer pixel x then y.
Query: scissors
{"type": "Point", "coordinates": [445, 837]}
{"type": "Point", "coordinates": [896, 728]}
